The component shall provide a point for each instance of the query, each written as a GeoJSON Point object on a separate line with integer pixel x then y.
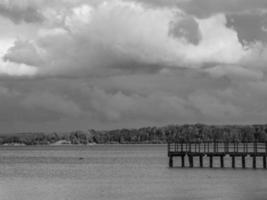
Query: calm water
{"type": "Point", "coordinates": [120, 172]}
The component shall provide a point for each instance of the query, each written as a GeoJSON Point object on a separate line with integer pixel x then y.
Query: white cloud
{"type": "Point", "coordinates": [14, 69]}
{"type": "Point", "coordinates": [219, 43]}
{"type": "Point", "coordinates": [80, 17]}
{"type": "Point", "coordinates": [42, 33]}
{"type": "Point", "coordinates": [5, 44]}
{"type": "Point", "coordinates": [10, 68]}
{"type": "Point", "coordinates": [117, 33]}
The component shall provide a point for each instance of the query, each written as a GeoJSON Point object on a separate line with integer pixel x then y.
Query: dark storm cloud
{"type": "Point", "coordinates": [249, 26]}
{"type": "Point", "coordinates": [17, 14]}
{"type": "Point", "coordinates": [205, 8]}
{"type": "Point", "coordinates": [187, 28]}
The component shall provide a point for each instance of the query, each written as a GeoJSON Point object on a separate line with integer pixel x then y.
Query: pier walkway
{"type": "Point", "coordinates": [210, 150]}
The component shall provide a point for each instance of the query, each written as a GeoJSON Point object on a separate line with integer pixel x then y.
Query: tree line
{"type": "Point", "coordinates": [151, 135]}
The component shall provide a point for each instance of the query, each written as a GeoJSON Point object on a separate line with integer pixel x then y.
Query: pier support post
{"type": "Point", "coordinates": [233, 161]}
{"type": "Point", "coordinates": [243, 162]}
{"type": "Point", "coordinates": [170, 161]}
{"type": "Point", "coordinates": [191, 161]}
{"type": "Point", "coordinates": [211, 161]}
{"type": "Point", "coordinates": [264, 162]}
{"type": "Point", "coordinates": [222, 161]}
{"type": "Point", "coordinates": [254, 162]}
{"type": "Point", "coordinates": [182, 160]}
{"type": "Point", "coordinates": [201, 161]}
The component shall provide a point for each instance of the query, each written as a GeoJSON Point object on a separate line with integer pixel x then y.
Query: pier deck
{"type": "Point", "coordinates": [209, 150]}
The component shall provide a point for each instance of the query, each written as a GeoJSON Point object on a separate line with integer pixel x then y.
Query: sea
{"type": "Point", "coordinates": [119, 172]}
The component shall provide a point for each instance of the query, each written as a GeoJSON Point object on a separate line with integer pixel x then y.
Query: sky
{"type": "Point", "coordinates": [105, 64]}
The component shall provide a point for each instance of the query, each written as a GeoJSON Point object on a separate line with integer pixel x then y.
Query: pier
{"type": "Point", "coordinates": [211, 150]}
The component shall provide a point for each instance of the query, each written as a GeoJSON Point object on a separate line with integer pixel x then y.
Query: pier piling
{"type": "Point", "coordinates": [182, 160]}
{"type": "Point", "coordinates": [233, 161]}
{"type": "Point", "coordinates": [201, 161]}
{"type": "Point", "coordinates": [222, 161]}
{"type": "Point", "coordinates": [191, 161]}
{"type": "Point", "coordinates": [243, 162]}
{"type": "Point", "coordinates": [170, 161]}
{"type": "Point", "coordinates": [254, 162]}
{"type": "Point", "coordinates": [211, 161]}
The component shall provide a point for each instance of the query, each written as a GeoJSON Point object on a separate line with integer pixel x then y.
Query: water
{"type": "Point", "coordinates": [121, 172]}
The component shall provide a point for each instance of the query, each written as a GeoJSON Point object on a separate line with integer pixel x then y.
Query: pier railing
{"type": "Point", "coordinates": [217, 147]}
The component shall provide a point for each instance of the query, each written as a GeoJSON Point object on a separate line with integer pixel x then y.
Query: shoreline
{"type": "Point", "coordinates": [79, 145]}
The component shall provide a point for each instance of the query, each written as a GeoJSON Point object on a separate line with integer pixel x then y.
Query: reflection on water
{"type": "Point", "coordinates": [120, 172]}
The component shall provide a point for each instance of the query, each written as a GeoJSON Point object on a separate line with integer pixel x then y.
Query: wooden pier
{"type": "Point", "coordinates": [211, 150]}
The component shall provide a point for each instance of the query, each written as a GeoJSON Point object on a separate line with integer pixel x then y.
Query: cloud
{"type": "Point", "coordinates": [120, 106]}
{"type": "Point", "coordinates": [249, 26]}
{"type": "Point", "coordinates": [186, 96]}
{"type": "Point", "coordinates": [126, 63]}
{"type": "Point", "coordinates": [53, 103]}
{"type": "Point", "coordinates": [211, 106]}
{"type": "Point", "coordinates": [235, 73]}
{"type": "Point", "coordinates": [186, 28]}
{"type": "Point", "coordinates": [121, 34]}
{"type": "Point", "coordinates": [19, 11]}
{"type": "Point", "coordinates": [206, 8]}
{"type": "Point", "coordinates": [257, 57]}
{"type": "Point", "coordinates": [24, 52]}
{"type": "Point", "coordinates": [14, 69]}
{"type": "Point", "coordinates": [219, 44]}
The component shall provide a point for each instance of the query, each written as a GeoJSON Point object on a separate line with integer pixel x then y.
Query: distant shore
{"type": "Point", "coordinates": [146, 135]}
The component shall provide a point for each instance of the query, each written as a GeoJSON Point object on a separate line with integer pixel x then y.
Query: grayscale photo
{"type": "Point", "coordinates": [133, 99]}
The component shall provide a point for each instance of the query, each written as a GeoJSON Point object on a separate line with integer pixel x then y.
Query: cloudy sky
{"type": "Point", "coordinates": [79, 64]}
